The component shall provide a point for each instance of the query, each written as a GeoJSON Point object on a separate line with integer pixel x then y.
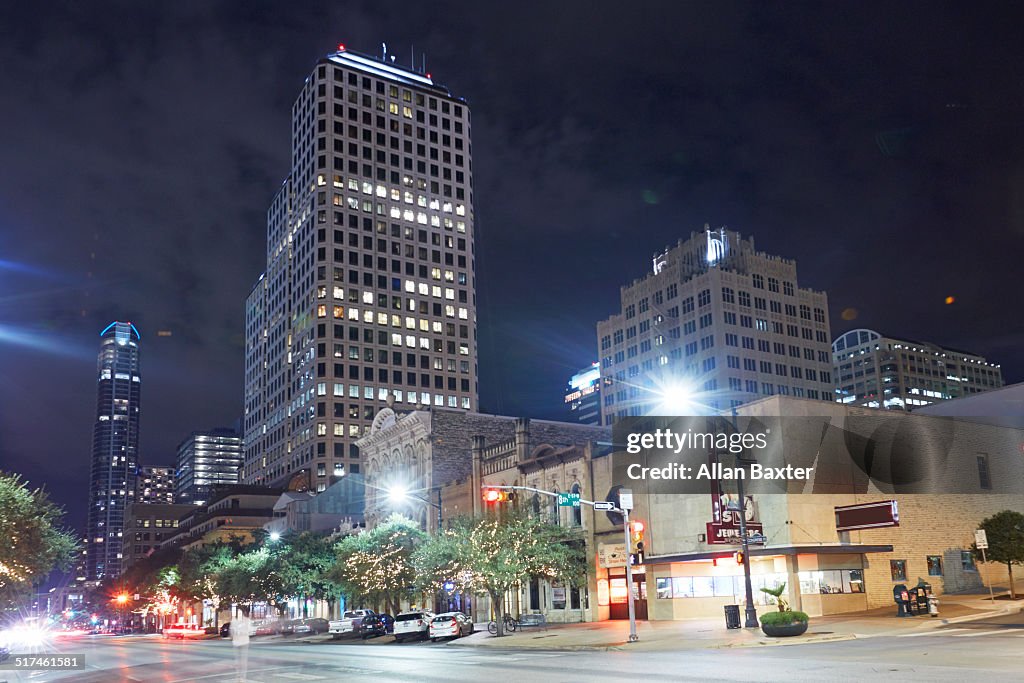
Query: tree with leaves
{"type": "Point", "coordinates": [1005, 533]}
{"type": "Point", "coordinates": [493, 556]}
{"type": "Point", "coordinates": [306, 558]}
{"type": "Point", "coordinates": [376, 565]}
{"type": "Point", "coordinates": [32, 540]}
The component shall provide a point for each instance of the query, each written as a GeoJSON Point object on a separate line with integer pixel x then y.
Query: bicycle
{"type": "Point", "coordinates": [510, 626]}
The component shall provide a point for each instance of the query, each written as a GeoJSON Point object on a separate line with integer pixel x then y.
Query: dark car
{"type": "Point", "coordinates": [377, 625]}
{"type": "Point", "coordinates": [288, 627]}
{"type": "Point", "coordinates": [312, 625]}
{"type": "Point", "coordinates": [225, 630]}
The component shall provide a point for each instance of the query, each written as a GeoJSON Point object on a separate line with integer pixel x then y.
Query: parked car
{"type": "Point", "coordinates": [450, 625]}
{"type": "Point", "coordinates": [267, 627]}
{"type": "Point", "coordinates": [311, 625]}
{"type": "Point", "coordinates": [225, 630]}
{"type": "Point", "coordinates": [349, 623]}
{"type": "Point", "coordinates": [376, 625]}
{"type": "Point", "coordinates": [288, 626]}
{"type": "Point", "coordinates": [412, 625]}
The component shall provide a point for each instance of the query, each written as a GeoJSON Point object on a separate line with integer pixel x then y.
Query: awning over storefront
{"type": "Point", "coordinates": [770, 551]}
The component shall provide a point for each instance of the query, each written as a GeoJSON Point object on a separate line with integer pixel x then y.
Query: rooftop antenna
{"type": "Point", "coordinates": [384, 57]}
{"type": "Point", "coordinates": [424, 63]}
{"type": "Point", "coordinates": [412, 57]}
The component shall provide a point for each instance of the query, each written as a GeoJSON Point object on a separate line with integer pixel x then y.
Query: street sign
{"type": "Point", "coordinates": [981, 539]}
{"type": "Point", "coordinates": [626, 499]}
{"type": "Point", "coordinates": [604, 505]}
{"type": "Point", "coordinates": [612, 554]}
{"type": "Point", "coordinates": [569, 500]}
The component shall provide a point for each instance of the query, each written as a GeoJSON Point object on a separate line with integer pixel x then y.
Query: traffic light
{"type": "Point", "coordinates": [494, 496]}
{"type": "Point", "coordinates": [739, 557]}
{"type": "Point", "coordinates": [636, 538]}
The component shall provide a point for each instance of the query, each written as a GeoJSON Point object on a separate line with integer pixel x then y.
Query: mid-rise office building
{"type": "Point", "coordinates": [884, 372]}
{"type": "Point", "coordinates": [207, 460]}
{"type": "Point", "coordinates": [115, 447]}
{"type": "Point", "coordinates": [369, 289]}
{"type": "Point", "coordinates": [154, 484]}
{"type": "Point", "coordinates": [148, 525]}
{"type": "Point", "coordinates": [583, 395]}
{"type": "Point", "coordinates": [713, 325]}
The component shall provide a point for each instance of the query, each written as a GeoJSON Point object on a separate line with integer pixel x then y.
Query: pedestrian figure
{"type": "Point", "coordinates": [240, 642]}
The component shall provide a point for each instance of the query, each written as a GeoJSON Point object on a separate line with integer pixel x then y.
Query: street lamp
{"type": "Point", "coordinates": [399, 494]}
{"type": "Point", "coordinates": [275, 536]}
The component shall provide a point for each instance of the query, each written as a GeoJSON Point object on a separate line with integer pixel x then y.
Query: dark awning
{"type": "Point", "coordinates": [770, 551]}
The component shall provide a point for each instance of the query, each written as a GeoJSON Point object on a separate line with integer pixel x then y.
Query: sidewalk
{"type": "Point", "coordinates": [692, 634]}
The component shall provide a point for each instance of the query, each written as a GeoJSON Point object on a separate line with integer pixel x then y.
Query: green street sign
{"type": "Point", "coordinates": [569, 500]}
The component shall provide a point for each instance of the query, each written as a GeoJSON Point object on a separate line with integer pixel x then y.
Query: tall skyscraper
{"type": "Point", "coordinates": [884, 372]}
{"type": "Point", "coordinates": [369, 290]}
{"type": "Point", "coordinates": [115, 446]}
{"type": "Point", "coordinates": [207, 460]}
{"type": "Point", "coordinates": [714, 324]}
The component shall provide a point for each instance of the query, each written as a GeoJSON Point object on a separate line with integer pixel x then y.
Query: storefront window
{"type": "Point", "coordinates": [898, 569]}
{"type": "Point", "coordinates": [682, 587]}
{"type": "Point", "coordinates": [703, 587]}
{"type": "Point", "coordinates": [664, 586]}
{"type": "Point", "coordinates": [831, 581]}
{"type": "Point", "coordinates": [934, 565]}
{"type": "Point", "coordinates": [558, 597]}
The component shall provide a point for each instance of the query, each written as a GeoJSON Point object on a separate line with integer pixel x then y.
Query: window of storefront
{"type": "Point", "coordinates": [898, 569]}
{"type": "Point", "coordinates": [934, 565]}
{"type": "Point", "coordinates": [831, 581]}
{"type": "Point", "coordinates": [811, 582]}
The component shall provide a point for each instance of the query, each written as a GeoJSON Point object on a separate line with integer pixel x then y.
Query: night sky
{"type": "Point", "coordinates": [880, 145]}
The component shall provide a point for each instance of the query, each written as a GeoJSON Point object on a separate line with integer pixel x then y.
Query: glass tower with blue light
{"type": "Point", "coordinates": [115, 447]}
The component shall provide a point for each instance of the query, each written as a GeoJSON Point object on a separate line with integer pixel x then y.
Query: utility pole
{"type": "Point", "coordinates": [750, 613]}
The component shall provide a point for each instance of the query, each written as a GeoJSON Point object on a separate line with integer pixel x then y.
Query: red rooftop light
{"type": "Point", "coordinates": [341, 47]}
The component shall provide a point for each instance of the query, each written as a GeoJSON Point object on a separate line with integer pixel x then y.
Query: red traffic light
{"type": "Point", "coordinates": [494, 496]}
{"type": "Point", "coordinates": [739, 557]}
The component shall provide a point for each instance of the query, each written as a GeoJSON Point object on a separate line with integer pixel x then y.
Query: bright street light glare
{"type": "Point", "coordinates": [397, 494]}
{"type": "Point", "coordinates": [275, 535]}
{"type": "Point", "coordinates": [676, 400]}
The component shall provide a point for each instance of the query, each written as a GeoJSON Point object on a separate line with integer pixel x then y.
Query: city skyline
{"type": "Point", "coordinates": [572, 200]}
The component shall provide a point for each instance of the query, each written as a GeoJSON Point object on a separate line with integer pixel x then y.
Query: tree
{"type": "Point", "coordinates": [199, 568]}
{"type": "Point", "coordinates": [376, 565]}
{"type": "Point", "coordinates": [1005, 533]}
{"type": "Point", "coordinates": [492, 556]}
{"type": "Point", "coordinates": [305, 562]}
{"type": "Point", "coordinates": [33, 541]}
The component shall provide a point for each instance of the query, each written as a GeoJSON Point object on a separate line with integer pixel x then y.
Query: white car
{"type": "Point", "coordinates": [349, 623]}
{"type": "Point", "coordinates": [450, 625]}
{"type": "Point", "coordinates": [412, 625]}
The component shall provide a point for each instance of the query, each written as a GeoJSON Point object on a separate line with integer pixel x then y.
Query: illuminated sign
{"type": "Point", "coordinates": [718, 245]}
{"type": "Point", "coordinates": [867, 515]}
{"type": "Point", "coordinates": [660, 261]}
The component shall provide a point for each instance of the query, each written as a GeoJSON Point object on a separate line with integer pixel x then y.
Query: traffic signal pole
{"type": "Point", "coordinates": [633, 637]}
{"type": "Point", "coordinates": [629, 581]}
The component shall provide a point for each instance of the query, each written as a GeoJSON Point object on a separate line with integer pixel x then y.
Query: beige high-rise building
{"type": "Point", "coordinates": [714, 324]}
{"type": "Point", "coordinates": [369, 290]}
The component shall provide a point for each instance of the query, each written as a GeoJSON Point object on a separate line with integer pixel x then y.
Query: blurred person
{"type": "Point", "coordinates": [240, 627]}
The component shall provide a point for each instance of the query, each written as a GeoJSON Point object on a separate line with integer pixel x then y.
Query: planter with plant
{"type": "Point", "coordinates": [785, 622]}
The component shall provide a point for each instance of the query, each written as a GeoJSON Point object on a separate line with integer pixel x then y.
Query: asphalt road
{"type": "Point", "coordinates": [992, 649]}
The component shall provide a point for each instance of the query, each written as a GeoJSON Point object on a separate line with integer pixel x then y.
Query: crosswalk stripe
{"type": "Point", "coordinates": [979, 633]}
{"type": "Point", "coordinates": [930, 633]}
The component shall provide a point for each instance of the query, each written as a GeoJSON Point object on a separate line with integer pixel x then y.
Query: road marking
{"type": "Point", "coordinates": [931, 633]}
{"type": "Point", "coordinates": [979, 633]}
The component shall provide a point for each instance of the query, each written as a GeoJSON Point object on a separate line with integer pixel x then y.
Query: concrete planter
{"type": "Point", "coordinates": [781, 631]}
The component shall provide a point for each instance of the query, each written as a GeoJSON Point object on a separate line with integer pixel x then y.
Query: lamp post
{"type": "Point", "coordinates": [750, 613]}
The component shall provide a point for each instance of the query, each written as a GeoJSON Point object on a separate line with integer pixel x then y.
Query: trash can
{"type": "Point", "coordinates": [732, 616]}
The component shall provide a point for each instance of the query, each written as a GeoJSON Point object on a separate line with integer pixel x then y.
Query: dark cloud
{"type": "Point", "coordinates": [878, 145]}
